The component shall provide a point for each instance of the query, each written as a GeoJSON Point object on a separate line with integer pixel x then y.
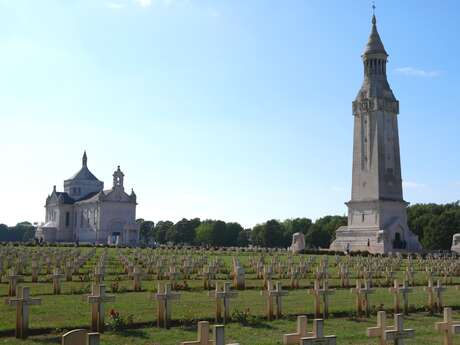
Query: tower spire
{"type": "Point", "coordinates": [374, 44]}
{"type": "Point", "coordinates": [84, 159]}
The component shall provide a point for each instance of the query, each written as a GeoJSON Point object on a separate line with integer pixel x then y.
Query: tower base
{"type": "Point", "coordinates": [375, 241]}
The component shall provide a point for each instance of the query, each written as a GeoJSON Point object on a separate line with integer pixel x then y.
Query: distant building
{"type": "Point", "coordinates": [87, 213]}
{"type": "Point", "coordinates": [377, 215]}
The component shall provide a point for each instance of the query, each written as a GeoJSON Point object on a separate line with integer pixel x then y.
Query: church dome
{"type": "Point", "coordinates": [84, 174]}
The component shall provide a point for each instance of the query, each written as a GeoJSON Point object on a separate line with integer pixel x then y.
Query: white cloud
{"type": "Point", "coordinates": [144, 3]}
{"type": "Point", "coordinates": [413, 185]}
{"type": "Point", "coordinates": [115, 5]}
{"type": "Point", "coordinates": [415, 72]}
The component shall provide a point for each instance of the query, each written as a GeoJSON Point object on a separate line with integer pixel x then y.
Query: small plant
{"type": "Point", "coordinates": [245, 317]}
{"type": "Point", "coordinates": [117, 323]}
{"type": "Point", "coordinates": [115, 287]}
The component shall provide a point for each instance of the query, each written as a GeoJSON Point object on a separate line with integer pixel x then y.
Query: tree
{"type": "Point", "coordinates": [269, 234]}
{"type": "Point", "coordinates": [292, 226]}
{"type": "Point", "coordinates": [161, 229]}
{"type": "Point", "coordinates": [23, 231]}
{"type": "Point", "coordinates": [147, 231]}
{"type": "Point", "coordinates": [231, 233]}
{"type": "Point", "coordinates": [244, 237]}
{"type": "Point", "coordinates": [183, 231]}
{"type": "Point", "coordinates": [434, 224]}
{"type": "Point", "coordinates": [205, 233]}
{"type": "Point", "coordinates": [322, 232]}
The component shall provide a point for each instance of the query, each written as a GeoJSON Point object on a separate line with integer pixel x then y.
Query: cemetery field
{"type": "Point", "coordinates": [137, 310]}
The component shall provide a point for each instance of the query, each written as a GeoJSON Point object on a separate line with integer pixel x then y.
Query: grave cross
{"type": "Point", "coordinates": [97, 300]}
{"type": "Point", "coordinates": [404, 291]}
{"type": "Point", "coordinates": [397, 334]}
{"type": "Point", "coordinates": [223, 298]}
{"type": "Point", "coordinates": [318, 337]}
{"type": "Point", "coordinates": [295, 274]}
{"type": "Point", "coordinates": [359, 297]}
{"type": "Point", "coordinates": [439, 289]}
{"type": "Point", "coordinates": [317, 297]}
{"type": "Point", "coordinates": [294, 338]}
{"type": "Point", "coordinates": [379, 331]}
{"type": "Point", "coordinates": [12, 282]}
{"type": "Point", "coordinates": [344, 276]}
{"type": "Point", "coordinates": [268, 275]}
{"type": "Point", "coordinates": [57, 276]}
{"type": "Point", "coordinates": [22, 302]}
{"type": "Point", "coordinates": [34, 271]}
{"type": "Point", "coordinates": [276, 295]}
{"type": "Point", "coordinates": [173, 277]}
{"type": "Point", "coordinates": [137, 279]}
{"type": "Point", "coordinates": [325, 292]}
{"type": "Point", "coordinates": [98, 275]}
{"type": "Point", "coordinates": [430, 290]}
{"type": "Point", "coordinates": [448, 327]}
{"type": "Point", "coordinates": [206, 278]}
{"type": "Point", "coordinates": [164, 296]}
{"type": "Point", "coordinates": [366, 291]}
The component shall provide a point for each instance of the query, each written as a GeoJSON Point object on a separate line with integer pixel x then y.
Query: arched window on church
{"type": "Point", "coordinates": [82, 219]}
{"type": "Point", "coordinates": [67, 219]}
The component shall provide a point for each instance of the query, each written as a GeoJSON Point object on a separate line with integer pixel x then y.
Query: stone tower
{"type": "Point", "coordinates": [377, 217]}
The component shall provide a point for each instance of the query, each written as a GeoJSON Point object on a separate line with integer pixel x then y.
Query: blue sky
{"type": "Point", "coordinates": [231, 109]}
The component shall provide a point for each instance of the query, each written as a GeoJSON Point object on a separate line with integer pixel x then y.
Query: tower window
{"type": "Point", "coordinates": [362, 217]}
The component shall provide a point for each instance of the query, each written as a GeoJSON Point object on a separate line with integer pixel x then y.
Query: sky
{"type": "Point", "coordinates": [237, 110]}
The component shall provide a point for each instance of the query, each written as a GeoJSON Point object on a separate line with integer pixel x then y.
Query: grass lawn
{"type": "Point", "coordinates": [70, 310]}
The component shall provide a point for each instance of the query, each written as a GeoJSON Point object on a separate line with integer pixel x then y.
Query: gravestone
{"type": "Point", "coordinates": [294, 338]}
{"type": "Point", "coordinates": [317, 337]}
{"type": "Point", "coordinates": [222, 298]}
{"type": "Point", "coordinates": [97, 300]}
{"type": "Point", "coordinates": [448, 327]}
{"type": "Point", "coordinates": [22, 302]}
{"type": "Point", "coordinates": [397, 333]}
{"type": "Point", "coordinates": [165, 296]}
{"type": "Point", "coordinates": [379, 331]}
{"type": "Point", "coordinates": [80, 337]}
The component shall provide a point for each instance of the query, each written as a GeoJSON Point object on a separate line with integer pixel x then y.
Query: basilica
{"type": "Point", "coordinates": [86, 213]}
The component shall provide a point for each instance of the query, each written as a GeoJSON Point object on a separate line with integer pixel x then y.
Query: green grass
{"type": "Point", "coordinates": [70, 310]}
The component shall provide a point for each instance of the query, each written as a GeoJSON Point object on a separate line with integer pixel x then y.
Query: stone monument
{"type": "Point", "coordinates": [377, 215]}
{"type": "Point", "coordinates": [456, 244]}
{"type": "Point", "coordinates": [298, 242]}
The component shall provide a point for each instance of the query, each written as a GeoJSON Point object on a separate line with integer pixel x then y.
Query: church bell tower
{"type": "Point", "coordinates": [377, 217]}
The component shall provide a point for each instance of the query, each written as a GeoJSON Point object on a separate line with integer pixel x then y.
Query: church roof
{"type": "Point", "coordinates": [65, 197]}
{"type": "Point", "coordinates": [374, 44]}
{"type": "Point", "coordinates": [84, 174]}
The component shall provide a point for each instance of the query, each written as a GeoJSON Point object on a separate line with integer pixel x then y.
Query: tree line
{"type": "Point", "coordinates": [435, 224]}
{"type": "Point", "coordinates": [217, 233]}
{"type": "Point", "coordinates": [21, 232]}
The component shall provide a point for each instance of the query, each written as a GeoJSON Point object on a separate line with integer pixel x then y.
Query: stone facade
{"type": "Point", "coordinates": [377, 216]}
{"type": "Point", "coordinates": [87, 213]}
